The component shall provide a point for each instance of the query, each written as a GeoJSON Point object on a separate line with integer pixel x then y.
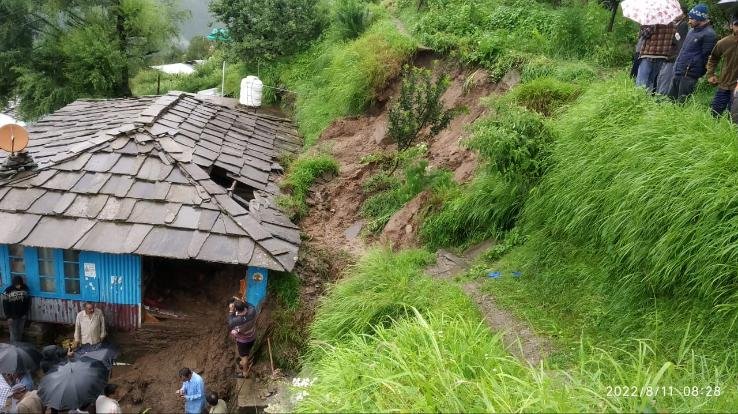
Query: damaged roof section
{"type": "Point", "coordinates": [142, 183]}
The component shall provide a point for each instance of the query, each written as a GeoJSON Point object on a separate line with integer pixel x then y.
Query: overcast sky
{"type": "Point", "coordinates": [198, 24]}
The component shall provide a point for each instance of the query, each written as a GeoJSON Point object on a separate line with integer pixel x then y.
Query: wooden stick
{"type": "Point", "coordinates": [271, 362]}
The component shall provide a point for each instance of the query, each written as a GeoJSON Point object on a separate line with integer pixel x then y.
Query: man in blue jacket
{"type": "Point", "coordinates": [691, 62]}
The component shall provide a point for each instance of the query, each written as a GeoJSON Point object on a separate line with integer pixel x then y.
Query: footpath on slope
{"type": "Point", "coordinates": [517, 336]}
{"type": "Point", "coordinates": [334, 222]}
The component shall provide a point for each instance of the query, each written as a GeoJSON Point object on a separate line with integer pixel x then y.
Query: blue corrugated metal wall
{"type": "Point", "coordinates": [112, 279]}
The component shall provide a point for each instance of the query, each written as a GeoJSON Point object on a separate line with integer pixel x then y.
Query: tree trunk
{"type": "Point", "coordinates": [614, 10]}
{"type": "Point", "coordinates": [120, 27]}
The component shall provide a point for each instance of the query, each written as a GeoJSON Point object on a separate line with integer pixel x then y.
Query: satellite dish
{"type": "Point", "coordinates": [13, 138]}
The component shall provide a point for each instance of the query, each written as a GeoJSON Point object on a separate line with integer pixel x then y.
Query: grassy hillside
{"type": "Point", "coordinates": [616, 207]}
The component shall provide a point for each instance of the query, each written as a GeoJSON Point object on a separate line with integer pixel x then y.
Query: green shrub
{"type": "Point", "coordinates": [352, 18]}
{"type": "Point", "coordinates": [545, 95]}
{"type": "Point", "coordinates": [300, 176]}
{"type": "Point", "coordinates": [418, 108]}
{"type": "Point", "coordinates": [394, 193]}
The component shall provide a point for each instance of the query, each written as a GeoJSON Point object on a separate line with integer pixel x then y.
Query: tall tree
{"type": "Point", "coordinates": [80, 48]}
{"type": "Point", "coordinates": [267, 29]}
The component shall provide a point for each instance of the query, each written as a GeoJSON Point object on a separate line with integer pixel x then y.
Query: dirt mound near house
{"type": "Point", "coordinates": [196, 338]}
{"type": "Point", "coordinates": [335, 220]}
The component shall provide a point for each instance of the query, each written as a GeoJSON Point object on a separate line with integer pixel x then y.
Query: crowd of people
{"type": "Point", "coordinates": [18, 392]}
{"type": "Point", "coordinates": [671, 58]}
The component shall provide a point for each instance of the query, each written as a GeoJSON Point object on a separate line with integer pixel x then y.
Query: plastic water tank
{"type": "Point", "coordinates": [251, 90]}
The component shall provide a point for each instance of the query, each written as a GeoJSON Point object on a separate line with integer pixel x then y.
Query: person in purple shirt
{"type": "Point", "coordinates": [192, 391]}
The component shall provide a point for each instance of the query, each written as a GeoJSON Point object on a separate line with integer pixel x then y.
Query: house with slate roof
{"type": "Point", "coordinates": [119, 180]}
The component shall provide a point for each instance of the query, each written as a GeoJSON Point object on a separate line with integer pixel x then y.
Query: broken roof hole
{"type": "Point", "coordinates": [239, 191]}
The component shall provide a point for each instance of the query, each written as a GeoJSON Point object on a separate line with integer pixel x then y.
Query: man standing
{"type": "Point", "coordinates": [217, 406]}
{"type": "Point", "coordinates": [89, 328]}
{"type": "Point", "coordinates": [242, 326]}
{"type": "Point", "coordinates": [655, 50]}
{"type": "Point", "coordinates": [192, 391]}
{"type": "Point", "coordinates": [666, 74]}
{"type": "Point", "coordinates": [726, 48]}
{"type": "Point", "coordinates": [16, 304]}
{"type": "Point", "coordinates": [690, 65]}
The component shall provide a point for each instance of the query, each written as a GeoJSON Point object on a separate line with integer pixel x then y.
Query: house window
{"type": "Point", "coordinates": [71, 272]}
{"type": "Point", "coordinates": [46, 270]}
{"type": "Point", "coordinates": [17, 261]}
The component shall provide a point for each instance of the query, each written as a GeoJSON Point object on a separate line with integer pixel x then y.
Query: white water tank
{"type": "Point", "coordinates": [251, 90]}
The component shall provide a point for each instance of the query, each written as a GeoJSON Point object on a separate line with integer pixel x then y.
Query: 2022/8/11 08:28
{"type": "Point", "coordinates": [619, 391]}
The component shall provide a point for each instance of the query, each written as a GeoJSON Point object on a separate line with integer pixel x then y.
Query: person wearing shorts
{"type": "Point", "coordinates": [242, 327]}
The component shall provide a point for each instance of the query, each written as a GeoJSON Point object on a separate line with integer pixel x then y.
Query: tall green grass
{"type": "Point", "coordinates": [336, 79]}
{"type": "Point", "coordinates": [381, 289]}
{"type": "Point", "coordinates": [652, 187]}
{"type": "Point", "coordinates": [300, 176]}
{"type": "Point", "coordinates": [501, 35]}
{"type": "Point", "coordinates": [372, 350]}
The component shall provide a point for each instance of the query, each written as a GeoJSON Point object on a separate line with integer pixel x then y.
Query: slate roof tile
{"type": "Point", "coordinates": [138, 189]}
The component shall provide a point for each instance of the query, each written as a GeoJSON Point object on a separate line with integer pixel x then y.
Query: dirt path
{"type": "Point", "coordinates": [517, 336]}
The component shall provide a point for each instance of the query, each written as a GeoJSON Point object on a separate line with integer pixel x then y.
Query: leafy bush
{"type": "Point", "coordinates": [516, 142]}
{"type": "Point", "coordinates": [418, 107]}
{"type": "Point", "coordinates": [267, 29]}
{"type": "Point", "coordinates": [300, 176]}
{"type": "Point", "coordinates": [380, 207]}
{"type": "Point", "coordinates": [545, 95]}
{"type": "Point", "coordinates": [516, 145]}
{"type": "Point", "coordinates": [352, 18]}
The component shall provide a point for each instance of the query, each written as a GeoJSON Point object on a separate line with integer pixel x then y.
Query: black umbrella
{"type": "Point", "coordinates": [105, 355]}
{"type": "Point", "coordinates": [18, 357]}
{"type": "Point", "coordinates": [72, 385]}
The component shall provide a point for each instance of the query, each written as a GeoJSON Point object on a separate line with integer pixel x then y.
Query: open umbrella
{"type": "Point", "coordinates": [72, 385]}
{"type": "Point", "coordinates": [106, 355]}
{"type": "Point", "coordinates": [18, 357]}
{"type": "Point", "coordinates": [647, 12]}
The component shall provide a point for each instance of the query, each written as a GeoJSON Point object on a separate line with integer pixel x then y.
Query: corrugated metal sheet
{"type": "Point", "coordinates": [118, 277]}
{"type": "Point", "coordinates": [123, 317]}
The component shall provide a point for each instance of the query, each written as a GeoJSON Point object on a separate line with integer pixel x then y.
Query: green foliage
{"type": "Point", "coordinates": [653, 196]}
{"type": "Point", "coordinates": [418, 107]}
{"type": "Point", "coordinates": [80, 49]}
{"type": "Point", "coordinates": [335, 80]}
{"type": "Point", "coordinates": [381, 289]}
{"type": "Point", "coordinates": [199, 48]}
{"type": "Point", "coordinates": [562, 70]}
{"type": "Point", "coordinates": [388, 338]}
{"type": "Point", "coordinates": [287, 289]}
{"type": "Point", "coordinates": [516, 145]}
{"type": "Point", "coordinates": [395, 193]}
{"type": "Point", "coordinates": [502, 35]}
{"type": "Point", "coordinates": [352, 18]}
{"type": "Point", "coordinates": [545, 95]}
{"type": "Point", "coordinates": [268, 29]}
{"type": "Point", "coordinates": [300, 176]}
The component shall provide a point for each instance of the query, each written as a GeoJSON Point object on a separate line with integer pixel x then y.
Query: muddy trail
{"type": "Point", "coordinates": [335, 222]}
{"type": "Point", "coordinates": [517, 336]}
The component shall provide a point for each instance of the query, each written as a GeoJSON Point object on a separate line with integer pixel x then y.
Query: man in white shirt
{"type": "Point", "coordinates": [106, 403]}
{"type": "Point", "coordinates": [89, 328]}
